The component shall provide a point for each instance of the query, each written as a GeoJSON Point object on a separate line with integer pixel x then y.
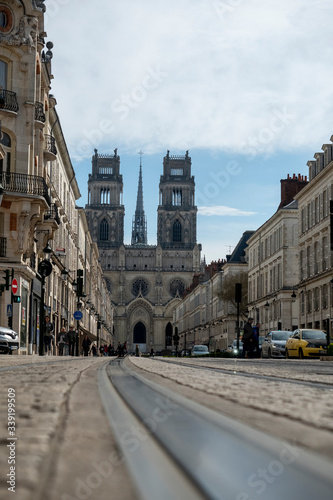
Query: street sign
{"type": "Point", "coordinates": [14, 286]}
{"type": "Point", "coordinates": [78, 315]}
{"type": "Point", "coordinates": [9, 310]}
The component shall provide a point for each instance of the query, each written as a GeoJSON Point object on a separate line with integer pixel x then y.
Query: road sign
{"type": "Point", "coordinates": [78, 315]}
{"type": "Point", "coordinates": [14, 286]}
{"type": "Point", "coordinates": [9, 310]}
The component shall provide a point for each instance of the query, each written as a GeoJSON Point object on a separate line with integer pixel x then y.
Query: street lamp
{"type": "Point", "coordinates": [266, 306]}
{"type": "Point", "coordinates": [293, 296]}
{"type": "Point", "coordinates": [44, 269]}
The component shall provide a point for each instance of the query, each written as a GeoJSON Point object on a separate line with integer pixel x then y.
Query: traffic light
{"type": "Point", "coordinates": [79, 281]}
{"type": "Point", "coordinates": [238, 292]}
{"type": "Point", "coordinates": [176, 339]}
{"type": "Point", "coordinates": [16, 299]}
{"type": "Point", "coordinates": [7, 278]}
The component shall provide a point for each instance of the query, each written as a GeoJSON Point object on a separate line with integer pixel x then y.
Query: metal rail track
{"type": "Point", "coordinates": [208, 455]}
{"type": "Point", "coordinates": [271, 378]}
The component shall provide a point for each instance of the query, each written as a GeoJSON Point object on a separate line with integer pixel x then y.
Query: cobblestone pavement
{"type": "Point", "coordinates": [297, 402]}
{"type": "Point", "coordinates": [58, 413]}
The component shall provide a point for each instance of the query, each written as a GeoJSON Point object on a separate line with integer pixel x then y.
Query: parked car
{"type": "Point", "coordinates": [274, 344]}
{"type": "Point", "coordinates": [9, 340]}
{"type": "Point", "coordinates": [199, 350]}
{"type": "Point", "coordinates": [306, 343]}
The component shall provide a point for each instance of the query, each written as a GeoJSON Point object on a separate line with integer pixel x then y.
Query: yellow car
{"type": "Point", "coordinates": [306, 343]}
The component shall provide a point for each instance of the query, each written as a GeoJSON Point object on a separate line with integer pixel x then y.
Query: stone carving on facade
{"type": "Point", "coordinates": [23, 231]}
{"type": "Point", "coordinates": [25, 35]}
{"type": "Point", "coordinates": [39, 5]}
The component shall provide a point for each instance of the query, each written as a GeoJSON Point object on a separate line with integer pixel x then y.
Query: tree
{"type": "Point", "coordinates": [227, 293]}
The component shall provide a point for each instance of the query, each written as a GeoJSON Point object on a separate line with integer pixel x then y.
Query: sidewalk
{"type": "Point", "coordinates": [63, 449]}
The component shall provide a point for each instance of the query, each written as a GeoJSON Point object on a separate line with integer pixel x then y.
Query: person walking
{"type": "Point", "coordinates": [71, 341]}
{"type": "Point", "coordinates": [137, 350]}
{"type": "Point", "coordinates": [151, 352]}
{"type": "Point", "coordinates": [256, 333]}
{"type": "Point", "coordinates": [63, 340]}
{"type": "Point", "coordinates": [248, 339]}
{"type": "Point", "coordinates": [86, 345]}
{"type": "Point", "coordinates": [48, 331]}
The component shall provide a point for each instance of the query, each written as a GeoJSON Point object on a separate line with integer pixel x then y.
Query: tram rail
{"type": "Point", "coordinates": [206, 454]}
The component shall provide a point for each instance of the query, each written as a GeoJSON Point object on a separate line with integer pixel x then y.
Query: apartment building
{"type": "Point", "coordinates": [38, 191]}
{"type": "Point", "coordinates": [273, 263]}
{"type": "Point", "coordinates": [314, 289]}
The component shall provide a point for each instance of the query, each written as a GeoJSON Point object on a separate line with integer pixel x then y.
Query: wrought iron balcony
{"type": "Point", "coordinates": [52, 214]}
{"type": "Point", "coordinates": [3, 247]}
{"type": "Point", "coordinates": [8, 100]}
{"type": "Point", "coordinates": [50, 149]}
{"type": "Point", "coordinates": [24, 184]}
{"type": "Point", "coordinates": [39, 112]}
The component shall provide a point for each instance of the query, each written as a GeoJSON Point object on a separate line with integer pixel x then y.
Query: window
{"type": "Point", "coordinates": [177, 171]}
{"type": "Point", "coordinates": [104, 230]}
{"type": "Point", "coordinates": [177, 232]}
{"type": "Point", "coordinates": [3, 74]}
{"type": "Point", "coordinates": [6, 142]}
{"type": "Point", "coordinates": [6, 19]}
{"type": "Point", "coordinates": [177, 197]}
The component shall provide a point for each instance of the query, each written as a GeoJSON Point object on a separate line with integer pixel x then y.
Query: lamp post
{"type": "Point", "coordinates": [44, 269]}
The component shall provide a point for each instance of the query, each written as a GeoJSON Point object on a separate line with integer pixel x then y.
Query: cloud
{"type": "Point", "coordinates": [222, 211]}
{"type": "Point", "coordinates": [222, 75]}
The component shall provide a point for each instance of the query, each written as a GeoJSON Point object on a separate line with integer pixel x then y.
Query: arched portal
{"type": "Point", "coordinates": [168, 335]}
{"type": "Point", "coordinates": [139, 333]}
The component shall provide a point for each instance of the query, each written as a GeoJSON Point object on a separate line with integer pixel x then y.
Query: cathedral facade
{"type": "Point", "coordinates": [146, 281]}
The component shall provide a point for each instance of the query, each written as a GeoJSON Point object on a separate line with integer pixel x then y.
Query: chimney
{"type": "Point", "coordinates": [290, 187]}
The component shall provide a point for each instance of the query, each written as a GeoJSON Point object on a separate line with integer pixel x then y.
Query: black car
{"type": "Point", "coordinates": [9, 340]}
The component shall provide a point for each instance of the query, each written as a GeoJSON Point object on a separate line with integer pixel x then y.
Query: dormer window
{"type": "Point", "coordinates": [6, 19]}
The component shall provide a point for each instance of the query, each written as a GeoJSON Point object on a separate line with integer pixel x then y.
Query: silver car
{"type": "Point", "coordinates": [9, 340]}
{"type": "Point", "coordinates": [200, 350]}
{"type": "Point", "coordinates": [274, 344]}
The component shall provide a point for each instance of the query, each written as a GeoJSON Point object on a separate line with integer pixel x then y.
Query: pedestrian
{"type": "Point", "coordinates": [63, 340]}
{"type": "Point", "coordinates": [137, 350]}
{"type": "Point", "coordinates": [86, 345]}
{"type": "Point", "coordinates": [94, 349]}
{"type": "Point", "coordinates": [110, 350]}
{"type": "Point", "coordinates": [101, 350]}
{"type": "Point", "coordinates": [256, 334]}
{"type": "Point", "coordinates": [71, 341]}
{"type": "Point", "coordinates": [106, 350]}
{"type": "Point", "coordinates": [48, 332]}
{"type": "Point", "coordinates": [248, 339]}
{"type": "Point", "coordinates": [151, 352]}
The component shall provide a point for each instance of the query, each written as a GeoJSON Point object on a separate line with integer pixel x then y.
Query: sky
{"type": "Point", "coordinates": [244, 85]}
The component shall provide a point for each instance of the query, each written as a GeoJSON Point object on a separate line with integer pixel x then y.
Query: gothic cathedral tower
{"type": "Point", "coordinates": [105, 210]}
{"type": "Point", "coordinates": [177, 214]}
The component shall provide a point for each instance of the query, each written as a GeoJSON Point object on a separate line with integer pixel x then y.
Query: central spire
{"type": "Point", "coordinates": [139, 225]}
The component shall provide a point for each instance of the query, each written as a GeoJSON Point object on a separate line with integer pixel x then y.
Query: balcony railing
{"type": "Point", "coordinates": [8, 100]}
{"type": "Point", "coordinates": [39, 112]}
{"type": "Point", "coordinates": [52, 214]}
{"type": "Point", "coordinates": [49, 144]}
{"type": "Point", "coordinates": [3, 247]}
{"type": "Point", "coordinates": [24, 184]}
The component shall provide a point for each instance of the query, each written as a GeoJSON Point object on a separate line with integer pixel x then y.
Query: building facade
{"type": "Point", "coordinates": [273, 264]}
{"type": "Point", "coordinates": [315, 242]}
{"type": "Point", "coordinates": [145, 281]}
{"type": "Point", "coordinates": [38, 190]}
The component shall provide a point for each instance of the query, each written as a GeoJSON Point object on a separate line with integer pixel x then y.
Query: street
{"type": "Point", "coordinates": [70, 437]}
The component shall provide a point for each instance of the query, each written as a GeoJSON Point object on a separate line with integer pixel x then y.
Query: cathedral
{"type": "Point", "coordinates": [146, 281]}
